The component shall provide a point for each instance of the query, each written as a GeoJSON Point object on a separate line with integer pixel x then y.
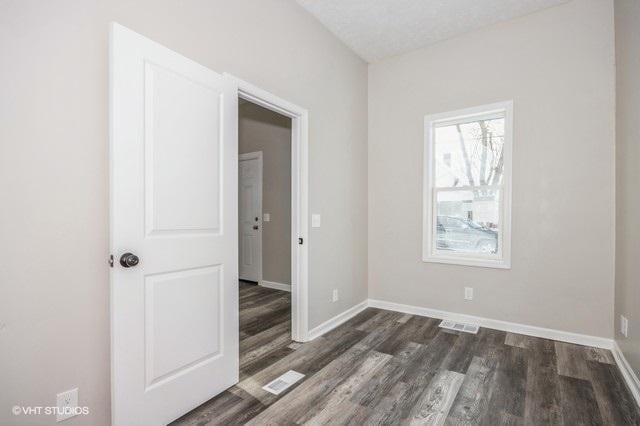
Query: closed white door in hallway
{"type": "Point", "coordinates": [250, 212]}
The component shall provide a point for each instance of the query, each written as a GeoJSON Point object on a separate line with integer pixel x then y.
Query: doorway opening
{"type": "Point", "coordinates": [264, 240]}
{"type": "Point", "coordinates": [264, 117]}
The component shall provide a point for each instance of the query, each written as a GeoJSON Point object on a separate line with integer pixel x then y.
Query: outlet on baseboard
{"type": "Point", "coordinates": [67, 404]}
{"type": "Point", "coordinates": [624, 326]}
{"type": "Point", "coordinates": [468, 293]}
{"type": "Point", "coordinates": [334, 296]}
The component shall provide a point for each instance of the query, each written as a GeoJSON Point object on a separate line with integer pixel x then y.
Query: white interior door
{"type": "Point", "coordinates": [250, 212]}
{"type": "Point", "coordinates": [174, 171]}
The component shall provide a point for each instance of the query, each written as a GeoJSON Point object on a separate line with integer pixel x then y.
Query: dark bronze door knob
{"type": "Point", "coordinates": [128, 260]}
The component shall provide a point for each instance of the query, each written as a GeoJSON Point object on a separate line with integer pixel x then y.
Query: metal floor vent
{"type": "Point", "coordinates": [283, 382]}
{"type": "Point", "coordinates": [458, 326]}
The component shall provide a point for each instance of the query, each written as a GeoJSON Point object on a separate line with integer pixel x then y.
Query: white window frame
{"type": "Point", "coordinates": [429, 253]}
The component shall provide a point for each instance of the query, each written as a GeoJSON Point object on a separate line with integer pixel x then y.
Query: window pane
{"type": "Point", "coordinates": [469, 154]}
{"type": "Point", "coordinates": [468, 221]}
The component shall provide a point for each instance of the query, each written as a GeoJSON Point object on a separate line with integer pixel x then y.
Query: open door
{"type": "Point", "coordinates": [174, 231]}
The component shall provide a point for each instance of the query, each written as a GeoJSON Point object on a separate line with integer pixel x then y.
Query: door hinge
{"type": "Point", "coordinates": [300, 240]}
{"type": "Point", "coordinates": [111, 260]}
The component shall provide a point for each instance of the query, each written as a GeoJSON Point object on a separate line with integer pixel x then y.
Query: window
{"type": "Point", "coordinates": [467, 187]}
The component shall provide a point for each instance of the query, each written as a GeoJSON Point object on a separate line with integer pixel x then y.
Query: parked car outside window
{"type": "Point", "coordinates": [464, 235]}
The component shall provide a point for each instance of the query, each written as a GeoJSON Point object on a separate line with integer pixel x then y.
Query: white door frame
{"type": "Point", "coordinates": [255, 156]}
{"type": "Point", "coordinates": [299, 199]}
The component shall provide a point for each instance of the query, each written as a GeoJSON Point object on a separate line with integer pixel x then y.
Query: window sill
{"type": "Point", "coordinates": [471, 261]}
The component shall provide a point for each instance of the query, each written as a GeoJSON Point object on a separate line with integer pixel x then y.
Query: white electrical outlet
{"type": "Point", "coordinates": [266, 217]}
{"type": "Point", "coordinates": [468, 293]}
{"type": "Point", "coordinates": [67, 404]}
{"type": "Point", "coordinates": [315, 220]}
{"type": "Point", "coordinates": [335, 295]}
{"type": "Point", "coordinates": [624, 326]}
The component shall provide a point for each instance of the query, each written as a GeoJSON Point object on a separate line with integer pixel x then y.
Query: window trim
{"type": "Point", "coordinates": [503, 259]}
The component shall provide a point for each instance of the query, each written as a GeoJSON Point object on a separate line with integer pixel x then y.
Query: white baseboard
{"type": "Point", "coordinates": [336, 321]}
{"type": "Point", "coordinates": [627, 372]}
{"type": "Point", "coordinates": [563, 336]}
{"type": "Point", "coordinates": [529, 330]}
{"type": "Point", "coordinates": [276, 286]}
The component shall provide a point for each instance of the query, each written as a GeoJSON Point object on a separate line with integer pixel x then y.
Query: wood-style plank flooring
{"type": "Point", "coordinates": [386, 368]}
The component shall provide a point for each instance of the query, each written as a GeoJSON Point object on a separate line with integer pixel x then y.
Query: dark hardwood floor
{"type": "Point", "coordinates": [265, 327]}
{"type": "Point", "coordinates": [384, 367]}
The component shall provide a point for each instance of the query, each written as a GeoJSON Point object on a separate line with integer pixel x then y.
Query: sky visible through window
{"type": "Point", "coordinates": [470, 154]}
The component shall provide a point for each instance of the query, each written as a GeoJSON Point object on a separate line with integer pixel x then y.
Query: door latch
{"type": "Point", "coordinates": [300, 240]}
{"type": "Point", "coordinates": [111, 261]}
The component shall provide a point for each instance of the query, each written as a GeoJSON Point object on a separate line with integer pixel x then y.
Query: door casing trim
{"type": "Point", "coordinates": [299, 199]}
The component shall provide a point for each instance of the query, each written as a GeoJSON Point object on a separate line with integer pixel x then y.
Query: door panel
{"type": "Point", "coordinates": [250, 211]}
{"type": "Point", "coordinates": [175, 302]}
{"type": "Point", "coordinates": [182, 133]}
{"type": "Point", "coordinates": [174, 316]}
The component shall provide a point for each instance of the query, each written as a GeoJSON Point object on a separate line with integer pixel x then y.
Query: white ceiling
{"type": "Point", "coordinates": [376, 29]}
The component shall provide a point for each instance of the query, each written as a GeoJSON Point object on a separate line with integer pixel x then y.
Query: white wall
{"type": "Point", "coordinates": [627, 14]}
{"type": "Point", "coordinates": [557, 66]}
{"type": "Point", "coordinates": [270, 133]}
{"type": "Point", "coordinates": [54, 288]}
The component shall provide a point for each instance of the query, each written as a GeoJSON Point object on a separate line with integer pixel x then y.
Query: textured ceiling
{"type": "Point", "coordinates": [376, 29]}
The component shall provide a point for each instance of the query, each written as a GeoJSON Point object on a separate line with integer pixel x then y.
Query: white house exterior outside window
{"type": "Point", "coordinates": [467, 186]}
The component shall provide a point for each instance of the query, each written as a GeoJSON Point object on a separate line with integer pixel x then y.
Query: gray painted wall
{"type": "Point", "coordinates": [54, 312]}
{"type": "Point", "coordinates": [627, 13]}
{"type": "Point", "coordinates": [262, 130]}
{"type": "Point", "coordinates": [557, 66]}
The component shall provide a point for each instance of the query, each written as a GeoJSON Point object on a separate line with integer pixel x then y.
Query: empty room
{"type": "Point", "coordinates": [319, 212]}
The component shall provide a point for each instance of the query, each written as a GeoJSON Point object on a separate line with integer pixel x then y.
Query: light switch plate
{"type": "Point", "coordinates": [315, 220]}
{"type": "Point", "coordinates": [468, 293]}
{"type": "Point", "coordinates": [266, 217]}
